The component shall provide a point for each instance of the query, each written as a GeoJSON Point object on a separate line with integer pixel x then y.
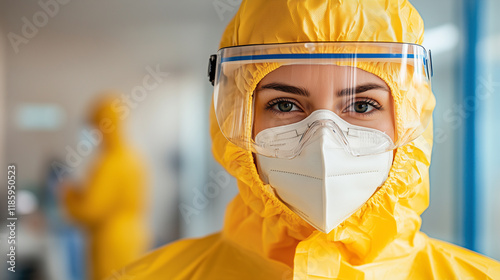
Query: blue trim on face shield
{"type": "Point", "coordinates": [322, 56]}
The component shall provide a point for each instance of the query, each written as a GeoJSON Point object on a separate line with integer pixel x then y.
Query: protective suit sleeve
{"type": "Point", "coordinates": [97, 200]}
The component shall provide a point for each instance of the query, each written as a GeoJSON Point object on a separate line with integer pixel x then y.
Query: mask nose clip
{"type": "Point", "coordinates": [288, 141]}
{"type": "Point", "coordinates": [325, 127]}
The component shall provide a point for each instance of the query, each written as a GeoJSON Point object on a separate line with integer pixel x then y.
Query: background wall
{"type": "Point", "coordinates": [443, 36]}
{"type": "Point", "coordinates": [2, 95]}
{"type": "Point", "coordinates": [3, 193]}
{"type": "Point", "coordinates": [488, 87]}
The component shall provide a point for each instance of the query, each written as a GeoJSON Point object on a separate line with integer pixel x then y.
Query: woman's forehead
{"type": "Point", "coordinates": [313, 75]}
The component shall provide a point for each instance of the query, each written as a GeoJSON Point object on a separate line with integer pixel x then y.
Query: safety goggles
{"type": "Point", "coordinates": [371, 89]}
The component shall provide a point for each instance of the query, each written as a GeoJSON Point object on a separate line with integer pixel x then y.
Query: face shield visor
{"type": "Point", "coordinates": [273, 99]}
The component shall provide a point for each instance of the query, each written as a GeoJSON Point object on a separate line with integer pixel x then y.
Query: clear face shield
{"type": "Point", "coordinates": [273, 99]}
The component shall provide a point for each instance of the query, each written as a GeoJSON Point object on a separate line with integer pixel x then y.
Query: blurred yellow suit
{"type": "Point", "coordinates": [111, 204]}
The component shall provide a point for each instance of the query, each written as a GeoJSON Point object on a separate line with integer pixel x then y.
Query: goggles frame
{"type": "Point", "coordinates": [214, 58]}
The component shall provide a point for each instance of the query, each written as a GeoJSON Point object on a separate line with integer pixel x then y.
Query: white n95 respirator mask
{"type": "Point", "coordinates": [325, 183]}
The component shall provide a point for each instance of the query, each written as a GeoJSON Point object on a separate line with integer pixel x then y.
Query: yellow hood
{"type": "Point", "coordinates": [260, 221]}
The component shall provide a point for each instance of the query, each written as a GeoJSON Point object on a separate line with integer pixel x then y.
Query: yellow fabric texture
{"type": "Point", "coordinates": [111, 203]}
{"type": "Point", "coordinates": [262, 238]}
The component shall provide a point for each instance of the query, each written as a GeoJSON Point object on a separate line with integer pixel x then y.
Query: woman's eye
{"type": "Point", "coordinates": [285, 106]}
{"type": "Point", "coordinates": [360, 107]}
{"type": "Point", "coordinates": [363, 107]}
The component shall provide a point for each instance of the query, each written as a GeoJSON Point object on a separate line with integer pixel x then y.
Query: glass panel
{"type": "Point", "coordinates": [488, 85]}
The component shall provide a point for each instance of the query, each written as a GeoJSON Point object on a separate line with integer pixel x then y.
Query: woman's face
{"type": "Point", "coordinates": [290, 93]}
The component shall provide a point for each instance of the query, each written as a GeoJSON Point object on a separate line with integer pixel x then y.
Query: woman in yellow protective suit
{"type": "Point", "coordinates": [322, 111]}
{"type": "Point", "coordinates": [111, 203]}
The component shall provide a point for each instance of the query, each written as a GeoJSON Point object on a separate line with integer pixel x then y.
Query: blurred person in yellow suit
{"type": "Point", "coordinates": [111, 203]}
{"type": "Point", "coordinates": [322, 111]}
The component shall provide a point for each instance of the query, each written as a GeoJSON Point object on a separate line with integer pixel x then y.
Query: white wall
{"type": "Point", "coordinates": [2, 95]}
{"type": "Point", "coordinates": [2, 143]}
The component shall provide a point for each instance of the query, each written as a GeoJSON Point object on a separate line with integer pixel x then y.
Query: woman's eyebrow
{"type": "Point", "coordinates": [360, 89]}
{"type": "Point", "coordinates": [287, 88]}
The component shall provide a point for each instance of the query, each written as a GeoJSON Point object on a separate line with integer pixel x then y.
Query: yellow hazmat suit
{"type": "Point", "coordinates": [111, 204]}
{"type": "Point", "coordinates": [262, 238]}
